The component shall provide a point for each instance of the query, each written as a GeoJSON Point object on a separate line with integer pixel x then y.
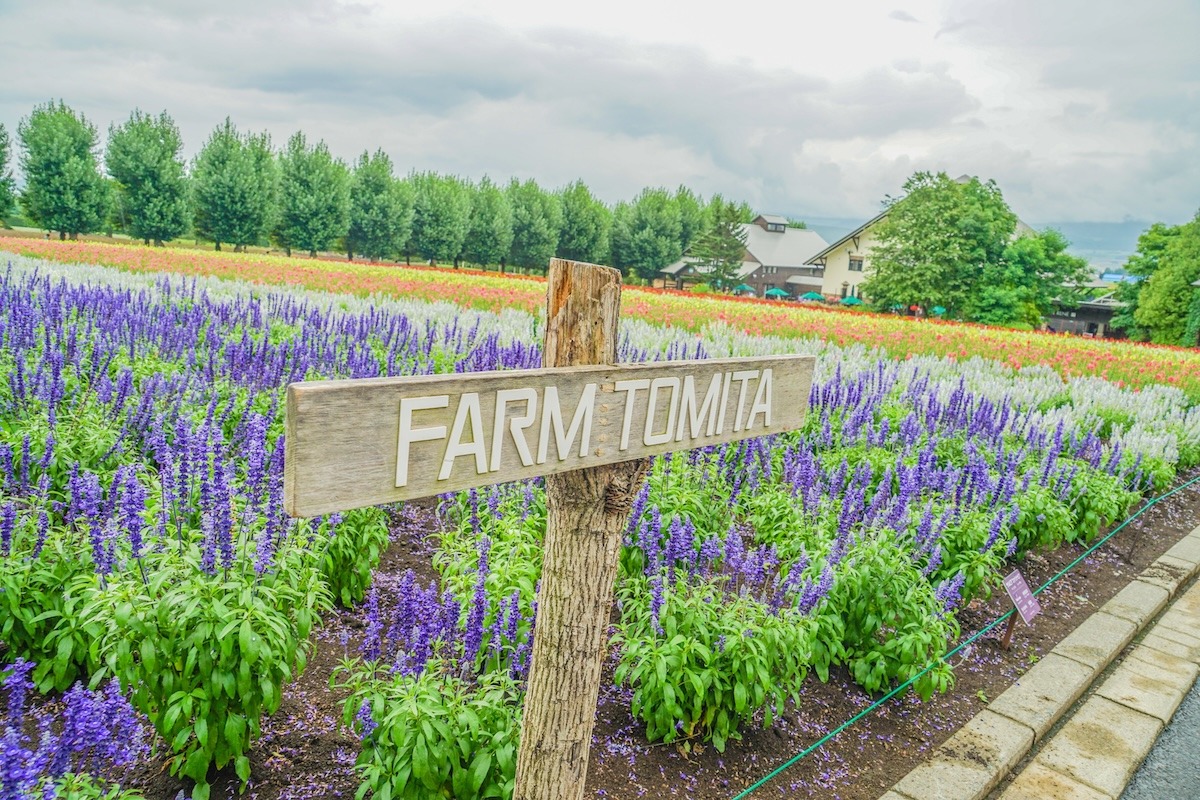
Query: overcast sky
{"type": "Point", "coordinates": [1079, 109]}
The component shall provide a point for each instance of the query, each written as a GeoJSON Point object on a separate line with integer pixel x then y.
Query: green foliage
{"type": "Point", "coordinates": [64, 190]}
{"type": "Point", "coordinates": [381, 209]}
{"type": "Point", "coordinates": [490, 236]}
{"type": "Point", "coordinates": [81, 786]}
{"type": "Point", "coordinates": [891, 622]}
{"type": "Point", "coordinates": [204, 658]}
{"type": "Point", "coordinates": [351, 551]}
{"type": "Point", "coordinates": [441, 216]}
{"type": "Point", "coordinates": [935, 242]}
{"type": "Point", "coordinates": [144, 159]}
{"type": "Point", "coordinates": [1151, 246]}
{"type": "Point", "coordinates": [234, 187]}
{"type": "Point", "coordinates": [1168, 294]}
{"type": "Point", "coordinates": [647, 234]}
{"type": "Point", "coordinates": [1034, 271]}
{"type": "Point", "coordinates": [314, 197]}
{"type": "Point", "coordinates": [435, 736]}
{"type": "Point", "coordinates": [693, 217]}
{"type": "Point", "coordinates": [717, 663]}
{"type": "Point", "coordinates": [536, 222]}
{"type": "Point", "coordinates": [719, 251]}
{"type": "Point", "coordinates": [586, 225]}
{"type": "Point", "coordinates": [7, 184]}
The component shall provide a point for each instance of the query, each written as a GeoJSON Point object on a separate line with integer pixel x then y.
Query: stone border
{"type": "Point", "coordinates": [1096, 752]}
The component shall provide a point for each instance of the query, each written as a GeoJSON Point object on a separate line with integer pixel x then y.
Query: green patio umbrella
{"type": "Point", "coordinates": [743, 287]}
{"type": "Point", "coordinates": [938, 310]}
{"type": "Point", "coordinates": [851, 301]}
{"type": "Point", "coordinates": [812, 296]}
{"type": "Point", "coordinates": [776, 293]}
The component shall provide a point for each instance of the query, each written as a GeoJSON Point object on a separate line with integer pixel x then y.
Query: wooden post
{"type": "Point", "coordinates": [587, 511]}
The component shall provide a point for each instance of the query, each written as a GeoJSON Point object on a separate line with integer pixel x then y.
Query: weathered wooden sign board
{"type": "Point", "coordinates": [586, 424]}
{"type": "Point", "coordinates": [355, 443]}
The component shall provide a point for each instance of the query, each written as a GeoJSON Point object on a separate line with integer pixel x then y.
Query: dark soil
{"type": "Point", "coordinates": [306, 752]}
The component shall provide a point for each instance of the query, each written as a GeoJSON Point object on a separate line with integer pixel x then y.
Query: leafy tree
{"type": "Point", "coordinates": [314, 197]}
{"type": "Point", "coordinates": [144, 159]}
{"type": "Point", "coordinates": [936, 241]}
{"type": "Point", "coordinates": [537, 220]}
{"type": "Point", "coordinates": [1020, 289]}
{"type": "Point", "coordinates": [745, 212]}
{"type": "Point", "coordinates": [441, 216]}
{"type": "Point", "coordinates": [647, 234]}
{"type": "Point", "coordinates": [798, 224]}
{"type": "Point", "coordinates": [490, 235]}
{"type": "Point", "coordinates": [234, 187]}
{"type": "Point", "coordinates": [692, 221]}
{"type": "Point", "coordinates": [64, 190]}
{"type": "Point", "coordinates": [719, 250]}
{"type": "Point", "coordinates": [1164, 301]}
{"type": "Point", "coordinates": [1143, 263]}
{"type": "Point", "coordinates": [381, 209]}
{"type": "Point", "coordinates": [7, 185]}
{"type": "Point", "coordinates": [586, 225]}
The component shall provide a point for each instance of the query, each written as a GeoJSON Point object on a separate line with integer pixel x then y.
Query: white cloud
{"type": "Point", "coordinates": [805, 109]}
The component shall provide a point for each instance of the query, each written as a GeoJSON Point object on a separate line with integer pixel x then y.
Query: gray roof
{"type": "Point", "coordinates": [791, 248]}
{"type": "Point", "coordinates": [773, 219]}
{"type": "Point", "coordinates": [809, 282]}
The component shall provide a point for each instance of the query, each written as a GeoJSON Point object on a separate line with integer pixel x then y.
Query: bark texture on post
{"type": "Point", "coordinates": [586, 515]}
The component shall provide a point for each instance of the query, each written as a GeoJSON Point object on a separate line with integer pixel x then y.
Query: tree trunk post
{"type": "Point", "coordinates": [587, 511]}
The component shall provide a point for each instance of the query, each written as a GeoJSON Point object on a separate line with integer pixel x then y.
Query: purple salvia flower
{"type": "Point", "coordinates": [8, 522]}
{"type": "Point", "coordinates": [949, 592]}
{"type": "Point", "coordinates": [365, 720]}
{"type": "Point", "coordinates": [372, 641]}
{"type": "Point", "coordinates": [656, 603]}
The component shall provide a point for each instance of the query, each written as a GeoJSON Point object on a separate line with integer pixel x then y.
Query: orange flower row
{"type": "Point", "coordinates": [1122, 362]}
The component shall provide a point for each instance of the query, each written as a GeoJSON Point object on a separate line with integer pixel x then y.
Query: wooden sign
{"type": "Point", "coordinates": [355, 443]}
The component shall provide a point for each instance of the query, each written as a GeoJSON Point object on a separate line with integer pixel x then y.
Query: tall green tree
{"type": "Point", "coordinates": [936, 241]}
{"type": "Point", "coordinates": [1145, 261]}
{"type": "Point", "coordinates": [745, 211]}
{"type": "Point", "coordinates": [1022, 286]}
{"type": "Point", "coordinates": [441, 216]}
{"type": "Point", "coordinates": [234, 187]}
{"type": "Point", "coordinates": [692, 221]}
{"type": "Point", "coordinates": [586, 225]}
{"type": "Point", "coordinates": [144, 158]}
{"type": "Point", "coordinates": [1165, 299]}
{"type": "Point", "coordinates": [647, 234]}
{"type": "Point", "coordinates": [64, 190]}
{"type": "Point", "coordinates": [314, 197]}
{"type": "Point", "coordinates": [7, 185]}
{"type": "Point", "coordinates": [719, 251]}
{"type": "Point", "coordinates": [490, 235]}
{"type": "Point", "coordinates": [537, 220]}
{"type": "Point", "coordinates": [381, 209]}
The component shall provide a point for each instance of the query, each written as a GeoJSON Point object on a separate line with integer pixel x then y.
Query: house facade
{"type": "Point", "coordinates": [844, 264]}
{"type": "Point", "coordinates": [776, 258]}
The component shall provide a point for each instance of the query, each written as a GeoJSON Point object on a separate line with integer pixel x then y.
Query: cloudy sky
{"type": "Point", "coordinates": [1079, 109]}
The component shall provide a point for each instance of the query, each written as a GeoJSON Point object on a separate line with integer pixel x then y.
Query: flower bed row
{"type": "Point", "coordinates": [142, 535]}
{"type": "Point", "coordinates": [1134, 365]}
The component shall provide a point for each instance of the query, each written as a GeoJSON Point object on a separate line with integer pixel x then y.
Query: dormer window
{"type": "Point", "coordinates": [776, 227]}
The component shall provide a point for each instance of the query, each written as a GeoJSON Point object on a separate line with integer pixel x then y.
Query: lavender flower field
{"type": "Point", "coordinates": [142, 536]}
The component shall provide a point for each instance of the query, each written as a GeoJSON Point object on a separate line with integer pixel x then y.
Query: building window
{"type": "Point", "coordinates": [845, 289]}
{"type": "Point", "coordinates": [856, 264]}
{"type": "Point", "coordinates": [775, 227]}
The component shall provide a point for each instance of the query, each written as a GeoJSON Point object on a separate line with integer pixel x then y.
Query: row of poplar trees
{"type": "Point", "coordinates": [238, 191]}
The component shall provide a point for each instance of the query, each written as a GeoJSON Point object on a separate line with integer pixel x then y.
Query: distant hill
{"type": "Point", "coordinates": [1106, 245]}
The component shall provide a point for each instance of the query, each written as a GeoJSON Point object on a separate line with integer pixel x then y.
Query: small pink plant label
{"type": "Point", "coordinates": [1018, 591]}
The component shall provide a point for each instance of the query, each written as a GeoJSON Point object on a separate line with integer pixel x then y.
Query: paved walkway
{"type": "Point", "coordinates": [1172, 769]}
{"type": "Point", "coordinates": [1083, 750]}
